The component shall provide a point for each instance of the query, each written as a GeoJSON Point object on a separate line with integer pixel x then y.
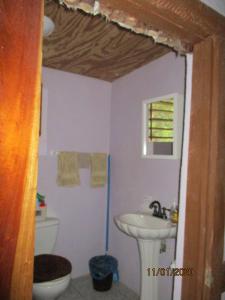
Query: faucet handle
{"type": "Point", "coordinates": [164, 215]}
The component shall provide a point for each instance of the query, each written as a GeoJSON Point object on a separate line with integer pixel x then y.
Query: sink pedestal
{"type": "Point", "coordinates": [149, 256]}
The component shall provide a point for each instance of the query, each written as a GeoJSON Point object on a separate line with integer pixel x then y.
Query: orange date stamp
{"type": "Point", "coordinates": [170, 271]}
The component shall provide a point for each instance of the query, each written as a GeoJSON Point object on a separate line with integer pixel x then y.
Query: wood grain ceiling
{"type": "Point", "coordinates": [91, 46]}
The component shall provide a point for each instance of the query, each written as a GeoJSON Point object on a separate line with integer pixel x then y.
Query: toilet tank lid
{"type": "Point", "coordinates": [47, 222]}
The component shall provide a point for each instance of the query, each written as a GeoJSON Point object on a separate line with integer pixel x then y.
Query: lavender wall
{"type": "Point", "coordinates": [78, 119]}
{"type": "Point", "coordinates": [133, 177]}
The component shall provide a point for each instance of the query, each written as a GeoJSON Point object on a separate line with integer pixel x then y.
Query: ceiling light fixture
{"type": "Point", "coordinates": [49, 26]}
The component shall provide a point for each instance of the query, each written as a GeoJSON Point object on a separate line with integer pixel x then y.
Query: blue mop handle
{"type": "Point", "coordinates": [108, 207]}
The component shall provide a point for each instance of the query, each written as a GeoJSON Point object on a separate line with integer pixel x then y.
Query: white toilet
{"type": "Point", "coordinates": [52, 273]}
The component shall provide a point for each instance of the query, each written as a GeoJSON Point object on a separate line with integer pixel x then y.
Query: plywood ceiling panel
{"type": "Point", "coordinates": [91, 46]}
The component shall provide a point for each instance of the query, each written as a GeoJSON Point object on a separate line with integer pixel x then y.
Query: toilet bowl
{"type": "Point", "coordinates": [50, 290]}
{"type": "Point", "coordinates": [52, 273]}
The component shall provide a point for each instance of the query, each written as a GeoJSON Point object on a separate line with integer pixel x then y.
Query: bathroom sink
{"type": "Point", "coordinates": [148, 231]}
{"type": "Point", "coordinates": [145, 226]}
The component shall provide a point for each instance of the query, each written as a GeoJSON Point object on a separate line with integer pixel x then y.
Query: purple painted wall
{"type": "Point", "coordinates": [78, 119]}
{"type": "Point", "coordinates": [133, 177]}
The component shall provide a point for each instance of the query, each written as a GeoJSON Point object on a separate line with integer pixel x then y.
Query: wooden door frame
{"type": "Point", "coordinates": [204, 228]}
{"type": "Point", "coordinates": [184, 26]}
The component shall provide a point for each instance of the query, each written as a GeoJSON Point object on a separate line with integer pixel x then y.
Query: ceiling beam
{"type": "Point", "coordinates": [176, 23]}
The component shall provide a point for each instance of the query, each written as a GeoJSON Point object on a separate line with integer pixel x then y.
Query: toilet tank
{"type": "Point", "coordinates": [45, 235]}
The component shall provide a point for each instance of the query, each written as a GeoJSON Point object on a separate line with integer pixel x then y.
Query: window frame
{"type": "Point", "coordinates": [147, 146]}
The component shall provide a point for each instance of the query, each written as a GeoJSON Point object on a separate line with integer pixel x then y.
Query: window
{"type": "Point", "coordinates": [162, 126]}
{"type": "Point", "coordinates": [160, 121]}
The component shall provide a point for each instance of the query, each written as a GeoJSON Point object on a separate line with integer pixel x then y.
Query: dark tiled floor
{"type": "Point", "coordinates": [81, 289]}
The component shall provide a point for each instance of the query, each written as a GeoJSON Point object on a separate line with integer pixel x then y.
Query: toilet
{"type": "Point", "coordinates": [52, 273]}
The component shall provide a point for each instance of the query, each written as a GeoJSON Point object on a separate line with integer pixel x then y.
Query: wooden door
{"type": "Point", "coordinates": [204, 233]}
{"type": "Point", "coordinates": [20, 62]}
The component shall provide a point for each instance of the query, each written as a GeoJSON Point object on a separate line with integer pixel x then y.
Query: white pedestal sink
{"type": "Point", "coordinates": [149, 231]}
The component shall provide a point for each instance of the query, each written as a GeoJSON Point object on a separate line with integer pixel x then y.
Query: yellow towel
{"type": "Point", "coordinates": [98, 169]}
{"type": "Point", "coordinates": [68, 172]}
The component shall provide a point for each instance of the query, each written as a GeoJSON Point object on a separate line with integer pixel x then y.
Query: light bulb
{"type": "Point", "coordinates": [49, 26]}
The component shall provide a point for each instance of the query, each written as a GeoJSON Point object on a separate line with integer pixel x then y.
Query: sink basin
{"type": "Point", "coordinates": [145, 226]}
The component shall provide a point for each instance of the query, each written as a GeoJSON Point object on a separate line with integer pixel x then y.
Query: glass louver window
{"type": "Point", "coordinates": [160, 121]}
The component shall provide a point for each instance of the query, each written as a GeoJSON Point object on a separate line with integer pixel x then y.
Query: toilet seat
{"type": "Point", "coordinates": [48, 267]}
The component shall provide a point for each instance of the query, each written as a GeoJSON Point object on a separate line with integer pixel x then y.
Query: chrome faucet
{"type": "Point", "coordinates": [159, 212]}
